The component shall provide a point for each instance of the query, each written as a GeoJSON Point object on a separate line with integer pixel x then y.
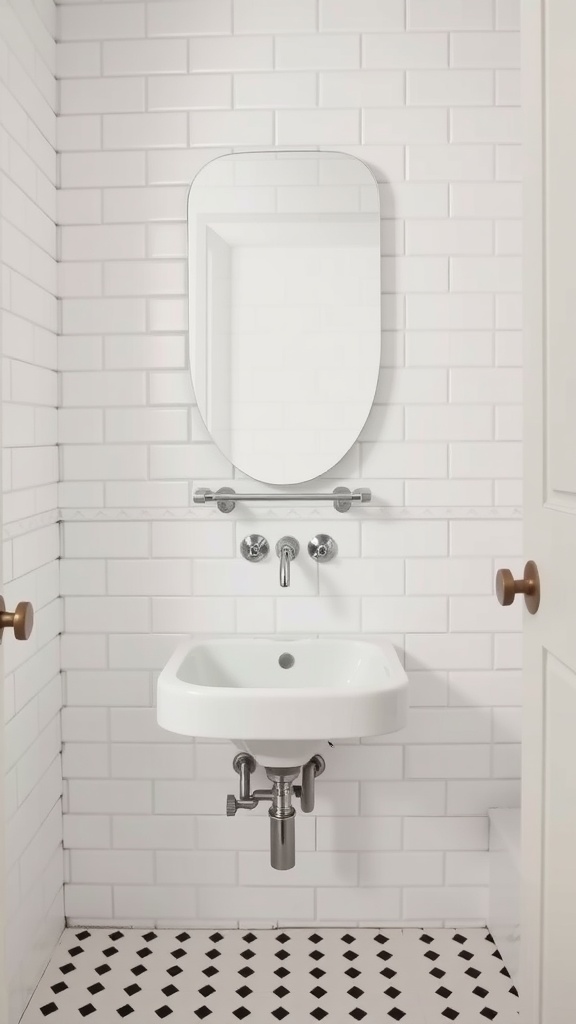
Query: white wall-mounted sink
{"type": "Point", "coordinates": [282, 700]}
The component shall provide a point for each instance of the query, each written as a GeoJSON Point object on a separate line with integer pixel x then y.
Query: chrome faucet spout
{"type": "Point", "coordinates": [285, 557]}
{"type": "Point", "coordinates": [287, 549]}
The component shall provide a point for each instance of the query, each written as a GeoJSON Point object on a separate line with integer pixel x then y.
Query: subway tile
{"type": "Point", "coordinates": [154, 277]}
{"type": "Point", "coordinates": [364, 16]}
{"type": "Point", "coordinates": [498, 200]}
{"type": "Point", "coordinates": [468, 902]}
{"type": "Point", "coordinates": [240, 578]}
{"type": "Point", "coordinates": [441, 725]}
{"type": "Point", "coordinates": [96, 21]}
{"type": "Point", "coordinates": [486, 689]}
{"type": "Point", "coordinates": [137, 901]}
{"type": "Point", "coordinates": [411, 124]}
{"type": "Point", "coordinates": [361, 89]}
{"type": "Point", "coordinates": [106, 615]}
{"type": "Point", "coordinates": [358, 762]}
{"type": "Point", "coordinates": [180, 18]}
{"type": "Point", "coordinates": [467, 868]}
{"type": "Point", "coordinates": [109, 796]}
{"type": "Point", "coordinates": [485, 49]}
{"type": "Point", "coordinates": [102, 242]}
{"type": "Point", "coordinates": [144, 131]}
{"type": "Point", "coordinates": [152, 832]}
{"type": "Point", "coordinates": [101, 95]}
{"type": "Point", "coordinates": [78, 60]}
{"type": "Point", "coordinates": [159, 760]}
{"type": "Point", "coordinates": [414, 274]}
{"type": "Point", "coordinates": [216, 832]}
{"type": "Point", "coordinates": [196, 867]}
{"type": "Point", "coordinates": [193, 614]}
{"type": "Point", "coordinates": [449, 423]}
{"type": "Point", "coordinates": [451, 14]}
{"type": "Point", "coordinates": [449, 575]}
{"type": "Point", "coordinates": [192, 540]}
{"type": "Point", "coordinates": [261, 16]}
{"type": "Point", "coordinates": [318, 52]}
{"type": "Point", "coordinates": [395, 538]}
{"type": "Point", "coordinates": [78, 206]}
{"type": "Point", "coordinates": [446, 833]}
{"type": "Point", "coordinates": [486, 459]}
{"type": "Point", "coordinates": [509, 163]}
{"type": "Point", "coordinates": [404, 614]}
{"type": "Point", "coordinates": [99, 867]}
{"type": "Point", "coordinates": [453, 761]}
{"type": "Point", "coordinates": [311, 869]}
{"type": "Point", "coordinates": [452, 312]}
{"type": "Point", "coordinates": [405, 50]}
{"type": "Point", "coordinates": [189, 92]}
{"type": "Point", "coordinates": [231, 128]}
{"type": "Point", "coordinates": [106, 540]}
{"type": "Point", "coordinates": [508, 88]}
{"type": "Point", "coordinates": [495, 539]}
{"type": "Point", "coordinates": [401, 869]}
{"type": "Point", "coordinates": [313, 127]}
{"type": "Point", "coordinates": [149, 576]}
{"type": "Point", "coordinates": [277, 89]}
{"type": "Point", "coordinates": [107, 688]}
{"type": "Point", "coordinates": [103, 388]}
{"type": "Point", "coordinates": [452, 163]}
{"type": "Point", "coordinates": [509, 238]}
{"type": "Point", "coordinates": [500, 385]}
{"type": "Point", "coordinates": [90, 831]}
{"type": "Point", "coordinates": [487, 124]}
{"type": "Point", "coordinates": [362, 576]}
{"type": "Point", "coordinates": [439, 88]}
{"type": "Point", "coordinates": [233, 902]}
{"type": "Point", "coordinates": [100, 170]}
{"type": "Point", "coordinates": [485, 274]}
{"type": "Point", "coordinates": [318, 614]}
{"type": "Point", "coordinates": [144, 57]}
{"type": "Point", "coordinates": [404, 459]}
{"type": "Point", "coordinates": [413, 200]}
{"type": "Point", "coordinates": [144, 204]}
{"type": "Point", "coordinates": [88, 901]}
{"type": "Point", "coordinates": [231, 53]}
{"type": "Point", "coordinates": [448, 650]}
{"type": "Point", "coordinates": [366, 904]}
{"type": "Point", "coordinates": [79, 132]}
{"type": "Point", "coordinates": [507, 14]}
{"type": "Point", "coordinates": [472, 797]}
{"type": "Point", "coordinates": [406, 798]}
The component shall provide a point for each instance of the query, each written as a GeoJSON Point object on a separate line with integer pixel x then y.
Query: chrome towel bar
{"type": "Point", "coordinates": [342, 498]}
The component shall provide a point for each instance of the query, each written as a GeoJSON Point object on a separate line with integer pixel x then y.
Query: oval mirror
{"type": "Point", "coordinates": [284, 264]}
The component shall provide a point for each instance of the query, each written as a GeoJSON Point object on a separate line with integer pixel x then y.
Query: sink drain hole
{"type": "Point", "coordinates": [286, 660]}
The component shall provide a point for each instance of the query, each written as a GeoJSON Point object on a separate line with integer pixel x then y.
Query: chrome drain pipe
{"type": "Point", "coordinates": [282, 818]}
{"type": "Point", "coordinates": [282, 814]}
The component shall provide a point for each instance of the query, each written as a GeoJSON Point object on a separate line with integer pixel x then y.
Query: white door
{"type": "Point", "coordinates": [548, 980]}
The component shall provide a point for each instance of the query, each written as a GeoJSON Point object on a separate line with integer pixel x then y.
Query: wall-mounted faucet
{"type": "Point", "coordinates": [287, 549]}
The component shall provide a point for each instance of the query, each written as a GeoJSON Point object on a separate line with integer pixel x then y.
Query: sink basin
{"type": "Point", "coordinates": [282, 700]}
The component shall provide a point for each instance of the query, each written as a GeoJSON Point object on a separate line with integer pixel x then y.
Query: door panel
{"type": "Point", "coordinates": [548, 978]}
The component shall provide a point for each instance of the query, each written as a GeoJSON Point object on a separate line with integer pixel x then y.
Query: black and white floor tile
{"type": "Point", "coordinates": [263, 977]}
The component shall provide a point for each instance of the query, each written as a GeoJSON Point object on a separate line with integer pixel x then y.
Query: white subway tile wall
{"type": "Point", "coordinates": [28, 327]}
{"type": "Point", "coordinates": [426, 93]}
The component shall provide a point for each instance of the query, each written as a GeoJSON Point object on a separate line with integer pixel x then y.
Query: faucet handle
{"type": "Point", "coordinates": [231, 805]}
{"type": "Point", "coordinates": [322, 548]}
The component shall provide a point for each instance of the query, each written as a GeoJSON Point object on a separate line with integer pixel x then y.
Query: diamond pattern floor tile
{"type": "Point", "coordinates": [332, 975]}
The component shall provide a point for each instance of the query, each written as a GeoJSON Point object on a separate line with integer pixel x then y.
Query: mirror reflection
{"type": "Point", "coordinates": [284, 258]}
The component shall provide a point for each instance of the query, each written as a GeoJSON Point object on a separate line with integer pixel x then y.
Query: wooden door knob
{"type": "Point", "coordinates": [507, 587]}
{"type": "Point", "coordinates": [21, 620]}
